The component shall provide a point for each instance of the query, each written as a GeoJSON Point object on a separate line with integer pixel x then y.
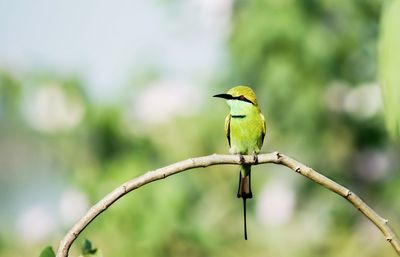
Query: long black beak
{"type": "Point", "coordinates": [225, 96]}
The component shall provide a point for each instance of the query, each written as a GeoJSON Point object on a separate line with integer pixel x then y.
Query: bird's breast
{"type": "Point", "coordinates": [246, 134]}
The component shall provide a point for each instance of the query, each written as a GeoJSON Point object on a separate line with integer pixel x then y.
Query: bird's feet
{"type": "Point", "coordinates": [255, 158]}
{"type": "Point", "coordinates": [242, 160]}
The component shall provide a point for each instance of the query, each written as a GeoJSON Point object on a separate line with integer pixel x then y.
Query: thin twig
{"type": "Point", "coordinates": [216, 159]}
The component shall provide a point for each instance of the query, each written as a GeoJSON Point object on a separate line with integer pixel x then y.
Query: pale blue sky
{"type": "Point", "coordinates": [106, 42]}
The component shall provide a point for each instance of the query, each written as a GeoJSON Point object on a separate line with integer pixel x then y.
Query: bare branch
{"type": "Point", "coordinates": [216, 159]}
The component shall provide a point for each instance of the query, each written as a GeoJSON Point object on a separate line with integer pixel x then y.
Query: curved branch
{"type": "Point", "coordinates": [215, 159]}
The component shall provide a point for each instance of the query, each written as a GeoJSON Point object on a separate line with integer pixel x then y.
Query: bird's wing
{"type": "Point", "coordinates": [228, 128]}
{"type": "Point", "coordinates": [264, 128]}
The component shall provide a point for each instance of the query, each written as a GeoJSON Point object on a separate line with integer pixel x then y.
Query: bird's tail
{"type": "Point", "coordinates": [244, 191]}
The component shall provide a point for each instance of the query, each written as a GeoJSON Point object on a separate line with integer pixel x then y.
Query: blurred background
{"type": "Point", "coordinates": [94, 93]}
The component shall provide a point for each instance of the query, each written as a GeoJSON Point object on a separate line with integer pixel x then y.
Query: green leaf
{"type": "Point", "coordinates": [47, 252]}
{"type": "Point", "coordinates": [87, 247]}
{"type": "Point", "coordinates": [97, 254]}
{"type": "Point", "coordinates": [389, 63]}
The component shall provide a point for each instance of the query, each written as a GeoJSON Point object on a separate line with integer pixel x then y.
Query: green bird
{"type": "Point", "coordinates": [245, 130]}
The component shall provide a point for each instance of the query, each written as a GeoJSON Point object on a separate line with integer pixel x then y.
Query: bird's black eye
{"type": "Point", "coordinates": [242, 97]}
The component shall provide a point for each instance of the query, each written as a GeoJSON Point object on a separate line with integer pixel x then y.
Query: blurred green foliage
{"type": "Point", "coordinates": [313, 66]}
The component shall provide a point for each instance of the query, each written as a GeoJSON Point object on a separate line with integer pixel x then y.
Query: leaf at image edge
{"type": "Point", "coordinates": [47, 252]}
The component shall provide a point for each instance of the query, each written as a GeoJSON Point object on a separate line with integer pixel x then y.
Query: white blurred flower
{"type": "Point", "coordinates": [335, 95]}
{"type": "Point", "coordinates": [50, 109]}
{"type": "Point", "coordinates": [215, 13]}
{"type": "Point", "coordinates": [276, 203]}
{"type": "Point", "coordinates": [367, 233]}
{"type": "Point", "coordinates": [165, 99]}
{"type": "Point", "coordinates": [363, 101]}
{"type": "Point", "coordinates": [373, 165]}
{"type": "Point", "coordinates": [35, 224]}
{"type": "Point", "coordinates": [73, 205]}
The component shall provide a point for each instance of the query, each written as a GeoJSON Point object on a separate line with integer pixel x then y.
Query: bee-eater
{"type": "Point", "coordinates": [245, 130]}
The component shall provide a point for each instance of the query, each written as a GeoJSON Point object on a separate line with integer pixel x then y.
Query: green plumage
{"type": "Point", "coordinates": [245, 130]}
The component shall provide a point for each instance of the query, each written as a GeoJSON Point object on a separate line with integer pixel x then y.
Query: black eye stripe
{"type": "Point", "coordinates": [242, 98]}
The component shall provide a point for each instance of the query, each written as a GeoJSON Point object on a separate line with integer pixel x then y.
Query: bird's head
{"type": "Point", "coordinates": [240, 93]}
{"type": "Point", "coordinates": [239, 98]}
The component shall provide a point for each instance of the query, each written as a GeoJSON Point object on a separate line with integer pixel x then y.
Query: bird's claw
{"type": "Point", "coordinates": [255, 158]}
{"type": "Point", "coordinates": [242, 160]}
